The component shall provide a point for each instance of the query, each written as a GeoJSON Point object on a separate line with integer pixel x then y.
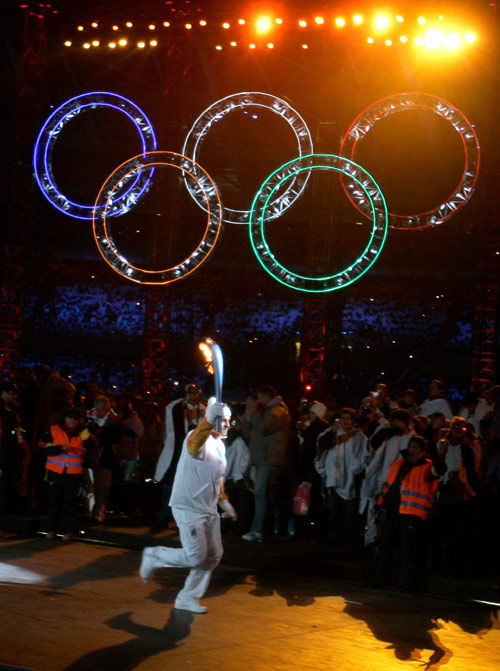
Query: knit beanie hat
{"type": "Point", "coordinates": [319, 409]}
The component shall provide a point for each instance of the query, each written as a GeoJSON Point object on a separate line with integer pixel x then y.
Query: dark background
{"type": "Point", "coordinates": [416, 157]}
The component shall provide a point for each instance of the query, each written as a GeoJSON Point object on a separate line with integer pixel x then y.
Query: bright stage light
{"type": "Point", "coordinates": [153, 43]}
{"type": "Point", "coordinates": [470, 37]}
{"type": "Point", "coordinates": [305, 46]}
{"type": "Point", "coordinates": [270, 45]}
{"type": "Point", "coordinates": [129, 24]}
{"type": "Point", "coordinates": [388, 43]}
{"type": "Point", "coordinates": [166, 24]}
{"type": "Point", "coordinates": [252, 46]}
{"type": "Point", "coordinates": [122, 43]}
{"type": "Point", "coordinates": [188, 26]}
{"type": "Point", "coordinates": [86, 45]}
{"type": "Point", "coordinates": [370, 40]}
{"type": "Point", "coordinates": [263, 24]}
{"type": "Point", "coordinates": [419, 41]}
{"type": "Point", "coordinates": [67, 43]}
{"type": "Point", "coordinates": [433, 39]}
{"type": "Point", "coordinates": [203, 22]}
{"type": "Point", "coordinates": [233, 44]}
{"type": "Point", "coordinates": [303, 23]}
{"type": "Point", "coordinates": [94, 24]}
{"type": "Point", "coordinates": [218, 47]}
{"type": "Point", "coordinates": [241, 22]}
{"type": "Point", "coordinates": [403, 39]}
{"type": "Point", "coordinates": [340, 22]}
{"type": "Point", "coordinates": [152, 26]}
{"type": "Point", "coordinates": [278, 21]}
{"type": "Point", "coordinates": [381, 22]}
{"type": "Point", "coordinates": [141, 45]}
{"type": "Point", "coordinates": [357, 19]}
{"type": "Point", "coordinates": [80, 28]}
{"type": "Point", "coordinates": [112, 45]}
{"type": "Point", "coordinates": [421, 21]}
{"type": "Point", "coordinates": [319, 20]}
{"type": "Point", "coordinates": [115, 28]}
{"type": "Point", "coordinates": [226, 25]}
{"type": "Point", "coordinates": [452, 41]}
{"type": "Point", "coordinates": [95, 43]}
{"type": "Point", "coordinates": [399, 18]}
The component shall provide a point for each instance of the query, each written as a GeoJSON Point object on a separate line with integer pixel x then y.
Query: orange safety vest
{"type": "Point", "coordinates": [72, 461]}
{"type": "Point", "coordinates": [417, 489]}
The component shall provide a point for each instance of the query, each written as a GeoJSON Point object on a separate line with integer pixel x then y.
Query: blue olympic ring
{"type": "Point", "coordinates": [51, 130]}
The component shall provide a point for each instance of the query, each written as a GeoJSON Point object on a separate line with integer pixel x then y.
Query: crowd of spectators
{"type": "Point", "coordinates": [410, 480]}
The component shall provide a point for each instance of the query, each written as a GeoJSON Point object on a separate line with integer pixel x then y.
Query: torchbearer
{"type": "Point", "coordinates": [197, 490]}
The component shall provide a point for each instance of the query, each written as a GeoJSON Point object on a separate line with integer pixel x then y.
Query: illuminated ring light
{"type": "Point", "coordinates": [55, 124]}
{"type": "Point", "coordinates": [217, 111]}
{"type": "Point", "coordinates": [363, 181]}
{"type": "Point", "coordinates": [106, 205]}
{"type": "Point", "coordinates": [404, 101]}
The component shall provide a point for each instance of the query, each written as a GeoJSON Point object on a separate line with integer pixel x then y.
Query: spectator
{"type": "Point", "coordinates": [474, 409]}
{"type": "Point", "coordinates": [408, 401]}
{"type": "Point", "coordinates": [132, 429]}
{"type": "Point", "coordinates": [386, 446]}
{"type": "Point", "coordinates": [151, 442]}
{"type": "Point", "coordinates": [436, 402]}
{"type": "Point", "coordinates": [237, 483]}
{"type": "Point", "coordinates": [455, 508]}
{"type": "Point", "coordinates": [100, 460]}
{"type": "Point", "coordinates": [308, 432]}
{"type": "Point", "coordinates": [14, 453]}
{"type": "Point", "coordinates": [403, 507]}
{"type": "Point", "coordinates": [384, 403]}
{"type": "Point", "coordinates": [65, 450]}
{"type": "Point", "coordinates": [269, 421]}
{"type": "Point", "coordinates": [342, 454]}
{"type": "Point", "coordinates": [437, 428]}
{"type": "Point", "coordinates": [369, 419]}
{"type": "Point", "coordinates": [181, 416]}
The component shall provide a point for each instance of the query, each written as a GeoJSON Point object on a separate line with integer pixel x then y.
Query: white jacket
{"type": "Point", "coordinates": [339, 464]}
{"type": "Point", "coordinates": [197, 480]}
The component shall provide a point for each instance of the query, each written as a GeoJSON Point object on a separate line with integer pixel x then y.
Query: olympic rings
{"type": "Point", "coordinates": [217, 111]}
{"type": "Point", "coordinates": [51, 130]}
{"type": "Point", "coordinates": [105, 202]}
{"type": "Point", "coordinates": [364, 182]}
{"type": "Point", "coordinates": [365, 121]}
{"type": "Point", "coordinates": [127, 184]}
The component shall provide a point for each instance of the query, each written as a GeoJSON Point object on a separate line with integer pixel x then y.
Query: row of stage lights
{"type": "Point", "coordinates": [382, 28]}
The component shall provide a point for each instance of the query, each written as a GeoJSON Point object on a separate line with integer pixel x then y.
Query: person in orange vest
{"type": "Point", "coordinates": [65, 450]}
{"type": "Point", "coordinates": [404, 505]}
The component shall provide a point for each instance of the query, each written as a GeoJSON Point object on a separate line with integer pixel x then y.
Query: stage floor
{"type": "Point", "coordinates": [82, 606]}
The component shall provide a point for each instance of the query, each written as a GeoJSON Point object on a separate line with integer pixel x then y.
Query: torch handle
{"type": "Point", "coordinates": [218, 365]}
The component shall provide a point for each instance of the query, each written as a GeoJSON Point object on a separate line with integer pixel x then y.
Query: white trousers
{"type": "Point", "coordinates": [201, 551]}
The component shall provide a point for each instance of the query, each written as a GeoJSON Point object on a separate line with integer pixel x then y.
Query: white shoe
{"type": "Point", "coordinates": [190, 604]}
{"type": "Point", "coordinates": [253, 537]}
{"type": "Point", "coordinates": [147, 564]}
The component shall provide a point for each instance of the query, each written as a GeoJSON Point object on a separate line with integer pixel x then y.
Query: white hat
{"type": "Point", "coordinates": [319, 409]}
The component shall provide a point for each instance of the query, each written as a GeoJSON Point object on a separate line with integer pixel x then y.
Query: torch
{"type": "Point", "coordinates": [215, 365]}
